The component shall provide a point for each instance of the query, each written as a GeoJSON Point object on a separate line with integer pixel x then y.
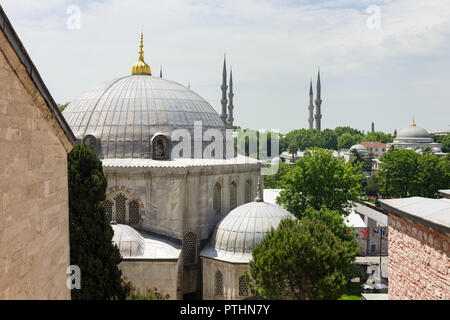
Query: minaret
{"type": "Point", "coordinates": [230, 103]}
{"type": "Point", "coordinates": [311, 106]}
{"type": "Point", "coordinates": [160, 72]}
{"type": "Point", "coordinates": [318, 115]}
{"type": "Point", "coordinates": [224, 88]}
{"type": "Point", "coordinates": [373, 126]}
{"type": "Point", "coordinates": [395, 132]}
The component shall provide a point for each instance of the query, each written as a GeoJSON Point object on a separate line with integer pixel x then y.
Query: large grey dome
{"type": "Point", "coordinates": [242, 229]}
{"type": "Point", "coordinates": [124, 114]}
{"type": "Point", "coordinates": [413, 131]}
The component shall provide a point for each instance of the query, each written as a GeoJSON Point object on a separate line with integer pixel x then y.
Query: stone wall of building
{"type": "Point", "coordinates": [230, 273]}
{"type": "Point", "coordinates": [34, 225]}
{"type": "Point", "coordinates": [160, 277]}
{"type": "Point", "coordinates": [419, 265]}
{"type": "Point", "coordinates": [177, 200]}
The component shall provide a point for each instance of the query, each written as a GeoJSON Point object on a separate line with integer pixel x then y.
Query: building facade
{"type": "Point", "coordinates": [34, 142]}
{"type": "Point", "coordinates": [419, 247]}
{"type": "Point", "coordinates": [170, 175]}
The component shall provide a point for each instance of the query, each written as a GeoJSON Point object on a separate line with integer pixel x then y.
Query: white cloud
{"type": "Point", "coordinates": [385, 75]}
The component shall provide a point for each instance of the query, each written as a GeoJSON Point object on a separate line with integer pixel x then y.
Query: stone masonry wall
{"type": "Point", "coordinates": [419, 266]}
{"type": "Point", "coordinates": [34, 219]}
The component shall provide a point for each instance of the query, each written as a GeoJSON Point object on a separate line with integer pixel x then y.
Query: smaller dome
{"type": "Point", "coordinates": [358, 147]}
{"type": "Point", "coordinates": [242, 229]}
{"type": "Point", "coordinates": [419, 151]}
{"type": "Point", "coordinates": [362, 151]}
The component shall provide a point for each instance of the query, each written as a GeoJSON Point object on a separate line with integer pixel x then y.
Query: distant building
{"type": "Point", "coordinates": [419, 247]}
{"type": "Point", "coordinates": [376, 148]}
{"type": "Point", "coordinates": [34, 211]}
{"type": "Point", "coordinates": [415, 138]}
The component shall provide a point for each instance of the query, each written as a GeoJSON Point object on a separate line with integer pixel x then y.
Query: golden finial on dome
{"type": "Point", "coordinates": [413, 124]}
{"type": "Point", "coordinates": [141, 67]}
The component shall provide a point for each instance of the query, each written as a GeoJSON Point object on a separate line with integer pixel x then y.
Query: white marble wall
{"type": "Point", "coordinates": [177, 200]}
{"type": "Point", "coordinates": [230, 272]}
{"type": "Point", "coordinates": [144, 275]}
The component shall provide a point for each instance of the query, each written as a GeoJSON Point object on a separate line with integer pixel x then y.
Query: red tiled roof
{"type": "Point", "coordinates": [374, 144]}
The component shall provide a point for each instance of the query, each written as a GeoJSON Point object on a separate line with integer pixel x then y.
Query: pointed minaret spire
{"type": "Point", "coordinates": [259, 195]}
{"type": "Point", "coordinates": [160, 72]}
{"type": "Point", "coordinates": [230, 104]}
{"type": "Point", "coordinates": [318, 115]}
{"type": "Point", "coordinates": [373, 126]}
{"type": "Point", "coordinates": [224, 88]}
{"type": "Point", "coordinates": [189, 85]}
{"type": "Point", "coordinates": [311, 106]}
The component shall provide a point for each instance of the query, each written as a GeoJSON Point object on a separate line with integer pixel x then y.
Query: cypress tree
{"type": "Point", "coordinates": [91, 246]}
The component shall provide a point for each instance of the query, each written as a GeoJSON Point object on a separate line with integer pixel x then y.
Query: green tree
{"type": "Point", "coordinates": [372, 185]}
{"type": "Point", "coordinates": [276, 181]}
{"type": "Point", "coordinates": [61, 107]}
{"type": "Point", "coordinates": [398, 170]}
{"type": "Point", "coordinates": [341, 130]}
{"type": "Point", "coordinates": [320, 180]}
{"type": "Point", "coordinates": [345, 141]}
{"type": "Point", "coordinates": [378, 136]}
{"type": "Point", "coordinates": [327, 139]}
{"type": "Point", "coordinates": [91, 246]}
{"type": "Point", "coordinates": [444, 140]}
{"type": "Point", "coordinates": [302, 260]}
{"type": "Point", "coordinates": [432, 175]}
{"type": "Point", "coordinates": [293, 149]}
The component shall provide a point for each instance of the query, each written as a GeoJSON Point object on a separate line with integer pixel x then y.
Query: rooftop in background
{"type": "Point", "coordinates": [375, 144]}
{"type": "Point", "coordinates": [441, 133]}
{"type": "Point", "coordinates": [445, 193]}
{"type": "Point", "coordinates": [434, 213]}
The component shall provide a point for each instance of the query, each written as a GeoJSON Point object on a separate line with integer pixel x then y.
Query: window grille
{"type": "Point", "coordinates": [120, 208]}
{"type": "Point", "coordinates": [219, 284]}
{"type": "Point", "coordinates": [190, 248]}
{"type": "Point", "coordinates": [233, 195]}
{"type": "Point", "coordinates": [248, 191]}
{"type": "Point", "coordinates": [108, 209]}
{"type": "Point", "coordinates": [133, 208]}
{"type": "Point", "coordinates": [243, 287]}
{"type": "Point", "coordinates": [217, 198]}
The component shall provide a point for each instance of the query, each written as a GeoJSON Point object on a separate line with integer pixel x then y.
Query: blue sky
{"type": "Point", "coordinates": [386, 75]}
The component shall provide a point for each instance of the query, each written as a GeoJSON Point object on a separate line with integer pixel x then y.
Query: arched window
{"type": "Point", "coordinates": [120, 208]}
{"type": "Point", "coordinates": [108, 209]}
{"type": "Point", "coordinates": [90, 141]}
{"type": "Point", "coordinates": [248, 191]}
{"type": "Point", "coordinates": [243, 287]}
{"type": "Point", "coordinates": [217, 197]}
{"type": "Point", "coordinates": [160, 147]}
{"type": "Point", "coordinates": [190, 248]}
{"type": "Point", "coordinates": [133, 209]}
{"type": "Point", "coordinates": [233, 195]}
{"type": "Point", "coordinates": [219, 284]}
